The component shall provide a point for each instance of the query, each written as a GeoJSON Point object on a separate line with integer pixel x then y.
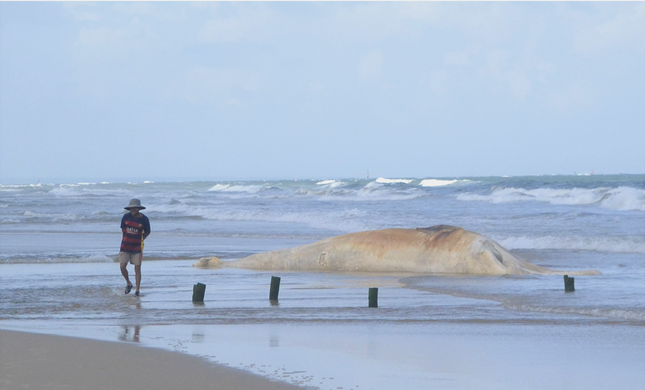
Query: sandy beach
{"type": "Point", "coordinates": [36, 361]}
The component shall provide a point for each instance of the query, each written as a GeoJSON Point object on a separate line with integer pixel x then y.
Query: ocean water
{"type": "Point", "coordinates": [58, 244]}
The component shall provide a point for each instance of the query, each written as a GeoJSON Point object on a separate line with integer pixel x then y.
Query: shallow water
{"type": "Point", "coordinates": [93, 294]}
{"type": "Point", "coordinates": [455, 332]}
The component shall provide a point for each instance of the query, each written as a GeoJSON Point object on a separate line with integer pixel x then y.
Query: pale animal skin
{"type": "Point", "coordinates": [438, 249]}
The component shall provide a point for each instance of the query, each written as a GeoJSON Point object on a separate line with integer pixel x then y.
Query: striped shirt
{"type": "Point", "coordinates": [133, 231]}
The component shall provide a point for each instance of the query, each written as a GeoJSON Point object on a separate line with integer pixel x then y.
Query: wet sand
{"type": "Point", "coordinates": [326, 357]}
{"type": "Point", "coordinates": [36, 361]}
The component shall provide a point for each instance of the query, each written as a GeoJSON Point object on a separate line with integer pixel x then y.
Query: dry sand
{"type": "Point", "coordinates": [35, 361]}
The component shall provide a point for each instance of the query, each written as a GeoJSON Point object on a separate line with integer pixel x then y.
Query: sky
{"type": "Point", "coordinates": [286, 90]}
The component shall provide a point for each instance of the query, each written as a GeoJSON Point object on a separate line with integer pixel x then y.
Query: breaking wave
{"type": "Point", "coordinates": [330, 183]}
{"type": "Point", "coordinates": [249, 189]}
{"type": "Point", "coordinates": [381, 180]}
{"type": "Point", "coordinates": [379, 191]}
{"type": "Point", "coordinates": [441, 183]}
{"type": "Point", "coordinates": [53, 217]}
{"type": "Point", "coordinates": [620, 198]}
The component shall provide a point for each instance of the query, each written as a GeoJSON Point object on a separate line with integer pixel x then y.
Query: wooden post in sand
{"type": "Point", "coordinates": [569, 284]}
{"type": "Point", "coordinates": [275, 288]}
{"type": "Point", "coordinates": [198, 292]}
{"type": "Point", "coordinates": [373, 297]}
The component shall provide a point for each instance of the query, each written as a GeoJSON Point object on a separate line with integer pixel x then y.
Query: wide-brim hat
{"type": "Point", "coordinates": [134, 203]}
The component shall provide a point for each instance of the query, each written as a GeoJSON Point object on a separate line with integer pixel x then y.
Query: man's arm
{"type": "Point", "coordinates": [146, 228]}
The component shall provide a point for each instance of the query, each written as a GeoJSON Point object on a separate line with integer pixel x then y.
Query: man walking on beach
{"type": "Point", "coordinates": [135, 227]}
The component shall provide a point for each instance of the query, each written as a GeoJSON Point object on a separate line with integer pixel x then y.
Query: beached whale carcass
{"type": "Point", "coordinates": [437, 249]}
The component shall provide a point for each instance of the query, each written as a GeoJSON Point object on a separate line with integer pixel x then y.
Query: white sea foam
{"type": "Point", "coordinates": [621, 198]}
{"type": "Point", "coordinates": [623, 244]}
{"type": "Point", "coordinates": [436, 182]}
{"type": "Point", "coordinates": [66, 190]}
{"type": "Point", "coordinates": [53, 217]}
{"type": "Point", "coordinates": [625, 198]}
{"type": "Point", "coordinates": [73, 190]}
{"type": "Point", "coordinates": [382, 180]}
{"type": "Point", "coordinates": [327, 192]}
{"type": "Point", "coordinates": [98, 259]}
{"type": "Point", "coordinates": [250, 189]}
{"type": "Point", "coordinates": [378, 191]}
{"type": "Point", "coordinates": [342, 191]}
{"type": "Point", "coordinates": [38, 185]}
{"type": "Point", "coordinates": [330, 183]}
{"type": "Point", "coordinates": [622, 314]}
{"type": "Point", "coordinates": [219, 187]}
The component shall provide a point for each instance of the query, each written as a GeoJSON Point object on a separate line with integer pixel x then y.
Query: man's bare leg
{"type": "Point", "coordinates": [124, 272]}
{"type": "Point", "coordinates": [137, 273]}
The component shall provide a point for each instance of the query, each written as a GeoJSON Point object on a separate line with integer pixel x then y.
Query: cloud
{"type": "Point", "coordinates": [215, 85]}
{"type": "Point", "coordinates": [370, 67]}
{"type": "Point", "coordinates": [92, 11]}
{"type": "Point", "coordinates": [240, 23]}
{"type": "Point", "coordinates": [437, 81]}
{"type": "Point", "coordinates": [101, 43]}
{"type": "Point", "coordinates": [610, 28]}
{"type": "Point", "coordinates": [461, 57]}
{"type": "Point", "coordinates": [572, 96]}
{"type": "Point", "coordinates": [317, 87]}
{"type": "Point", "coordinates": [357, 23]}
{"type": "Point", "coordinates": [427, 12]}
{"type": "Point", "coordinates": [457, 58]}
{"type": "Point", "coordinates": [500, 67]}
{"type": "Point", "coordinates": [83, 11]}
{"type": "Point", "coordinates": [519, 84]}
{"type": "Point", "coordinates": [224, 30]}
{"type": "Point", "coordinates": [155, 11]}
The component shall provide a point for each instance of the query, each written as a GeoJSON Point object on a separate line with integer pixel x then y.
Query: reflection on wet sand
{"type": "Point", "coordinates": [130, 333]}
{"type": "Point", "coordinates": [197, 338]}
